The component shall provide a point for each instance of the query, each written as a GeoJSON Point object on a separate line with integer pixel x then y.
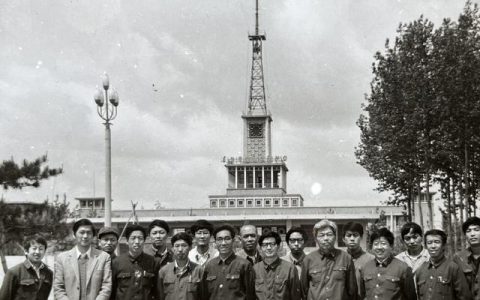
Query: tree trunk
{"type": "Point", "coordinates": [460, 209]}
{"type": "Point", "coordinates": [409, 204]}
{"type": "Point", "coordinates": [449, 217]}
{"type": "Point", "coordinates": [429, 202]}
{"type": "Point", "coordinates": [467, 183]}
{"type": "Point", "coordinates": [455, 218]}
{"type": "Point", "coordinates": [420, 210]}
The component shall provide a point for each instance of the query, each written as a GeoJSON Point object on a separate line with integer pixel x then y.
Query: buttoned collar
{"type": "Point", "coordinates": [299, 261]}
{"type": "Point", "coordinates": [424, 253]}
{"type": "Point", "coordinates": [205, 255]}
{"type": "Point", "coordinates": [183, 269]}
{"type": "Point", "coordinates": [385, 262]}
{"type": "Point", "coordinates": [228, 260]}
{"type": "Point", "coordinates": [78, 253]}
{"type": "Point", "coordinates": [28, 264]}
{"type": "Point", "coordinates": [134, 259]}
{"type": "Point", "coordinates": [330, 255]}
{"type": "Point", "coordinates": [435, 265]}
{"type": "Point", "coordinates": [273, 265]}
{"type": "Point", "coordinates": [356, 253]}
{"type": "Point", "coordinates": [157, 252]}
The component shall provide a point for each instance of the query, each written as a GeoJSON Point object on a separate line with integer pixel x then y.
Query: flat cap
{"type": "Point", "coordinates": [108, 230]}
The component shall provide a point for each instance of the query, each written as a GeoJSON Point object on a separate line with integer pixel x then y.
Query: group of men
{"type": "Point", "coordinates": [156, 271]}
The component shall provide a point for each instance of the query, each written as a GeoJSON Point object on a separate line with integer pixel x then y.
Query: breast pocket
{"type": "Point", "coordinates": [211, 283]}
{"type": "Point", "coordinates": [147, 280]}
{"type": "Point", "coordinates": [168, 286]}
{"type": "Point", "coordinates": [391, 282]}
{"type": "Point", "coordinates": [421, 287]}
{"type": "Point", "coordinates": [339, 273]}
{"type": "Point", "coordinates": [259, 285]}
{"type": "Point", "coordinates": [280, 284]}
{"type": "Point", "coordinates": [316, 276]}
{"type": "Point", "coordinates": [444, 285]}
{"type": "Point", "coordinates": [193, 286]}
{"type": "Point", "coordinates": [233, 281]}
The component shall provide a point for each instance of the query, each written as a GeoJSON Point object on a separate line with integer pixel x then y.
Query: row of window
{"type": "Point", "coordinates": [257, 202]}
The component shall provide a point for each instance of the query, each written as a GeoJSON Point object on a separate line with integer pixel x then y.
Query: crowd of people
{"type": "Point", "coordinates": [156, 271]}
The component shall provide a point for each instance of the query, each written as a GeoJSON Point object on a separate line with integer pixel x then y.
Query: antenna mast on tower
{"type": "Point", "coordinates": [256, 102]}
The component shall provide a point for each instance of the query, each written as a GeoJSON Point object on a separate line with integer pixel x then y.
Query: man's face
{"type": "Point", "coordinates": [381, 248]}
{"type": "Point", "coordinates": [352, 240]}
{"type": "Point", "coordinates": [158, 235]}
{"type": "Point", "coordinates": [269, 247]}
{"type": "Point", "coordinates": [473, 235]}
{"type": "Point", "coordinates": [224, 242]}
{"type": "Point", "coordinates": [296, 243]}
{"type": "Point", "coordinates": [326, 239]}
{"type": "Point", "coordinates": [180, 250]}
{"type": "Point", "coordinates": [135, 242]}
{"type": "Point", "coordinates": [413, 241]}
{"type": "Point", "coordinates": [36, 252]}
{"type": "Point", "coordinates": [202, 236]}
{"type": "Point", "coordinates": [84, 236]}
{"type": "Point", "coordinates": [434, 246]}
{"type": "Point", "coordinates": [108, 242]}
{"type": "Point", "coordinates": [249, 238]}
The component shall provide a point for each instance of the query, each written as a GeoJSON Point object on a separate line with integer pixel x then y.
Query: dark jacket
{"type": "Point", "coordinates": [464, 259]}
{"type": "Point", "coordinates": [161, 259]}
{"type": "Point", "coordinates": [134, 278]}
{"type": "Point", "coordinates": [22, 282]}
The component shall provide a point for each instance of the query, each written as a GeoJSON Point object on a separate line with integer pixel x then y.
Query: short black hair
{"type": "Point", "coordinates": [270, 234]}
{"type": "Point", "coordinates": [159, 223]}
{"type": "Point", "coordinates": [224, 227]}
{"type": "Point", "coordinates": [201, 224]}
{"type": "Point", "coordinates": [353, 227]}
{"type": "Point", "coordinates": [135, 227]}
{"type": "Point", "coordinates": [411, 226]}
{"type": "Point", "coordinates": [439, 232]}
{"type": "Point", "coordinates": [296, 229]}
{"type": "Point", "coordinates": [470, 221]}
{"type": "Point", "coordinates": [382, 232]}
{"type": "Point", "coordinates": [84, 222]}
{"type": "Point", "coordinates": [34, 239]}
{"type": "Point", "coordinates": [182, 236]}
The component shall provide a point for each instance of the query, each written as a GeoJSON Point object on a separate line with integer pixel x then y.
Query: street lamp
{"type": "Point", "coordinates": [107, 112]}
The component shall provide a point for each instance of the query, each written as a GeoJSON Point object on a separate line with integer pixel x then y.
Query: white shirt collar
{"type": "Point", "coordinates": [89, 252]}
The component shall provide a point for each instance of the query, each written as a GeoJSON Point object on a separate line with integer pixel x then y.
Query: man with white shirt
{"type": "Point", "coordinates": [415, 255]}
{"type": "Point", "coordinates": [203, 252]}
{"type": "Point", "coordinates": [83, 272]}
{"type": "Point", "coordinates": [296, 238]}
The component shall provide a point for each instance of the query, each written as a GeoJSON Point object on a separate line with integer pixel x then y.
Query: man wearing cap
{"type": "Point", "coordinates": [249, 237]}
{"type": "Point", "coordinates": [180, 280]}
{"type": "Point", "coordinates": [108, 240]}
{"type": "Point", "coordinates": [328, 273]}
{"type": "Point", "coordinates": [202, 230]}
{"type": "Point", "coordinates": [158, 232]}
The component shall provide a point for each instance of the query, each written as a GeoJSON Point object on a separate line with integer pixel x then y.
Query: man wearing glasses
{"type": "Point", "coordinates": [275, 278]}
{"type": "Point", "coordinates": [227, 276]}
{"type": "Point", "coordinates": [134, 273]}
{"type": "Point", "coordinates": [328, 273]}
{"type": "Point", "coordinates": [296, 239]}
{"type": "Point", "coordinates": [415, 255]}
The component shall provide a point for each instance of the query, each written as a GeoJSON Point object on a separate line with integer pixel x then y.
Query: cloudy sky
{"type": "Point", "coordinates": [181, 69]}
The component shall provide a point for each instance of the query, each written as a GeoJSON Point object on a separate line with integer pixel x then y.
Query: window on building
{"type": "Point", "coordinates": [258, 177]}
{"type": "Point", "coordinates": [213, 203]}
{"type": "Point", "coordinates": [231, 203]}
{"type": "Point", "coordinates": [240, 203]}
{"type": "Point", "coordinates": [268, 202]}
{"type": "Point", "coordinates": [241, 177]}
{"type": "Point", "coordinates": [249, 202]}
{"type": "Point", "coordinates": [223, 203]}
{"type": "Point", "coordinates": [268, 177]}
{"type": "Point", "coordinates": [258, 202]}
{"type": "Point", "coordinates": [249, 177]}
{"type": "Point", "coordinates": [294, 201]}
{"type": "Point", "coordinates": [285, 202]}
{"type": "Point", "coordinates": [276, 176]}
{"type": "Point", "coordinates": [276, 202]}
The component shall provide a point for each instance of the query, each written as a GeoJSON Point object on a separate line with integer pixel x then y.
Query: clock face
{"type": "Point", "coordinates": [255, 130]}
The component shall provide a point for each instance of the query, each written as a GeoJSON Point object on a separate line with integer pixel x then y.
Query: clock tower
{"type": "Point", "coordinates": [256, 179]}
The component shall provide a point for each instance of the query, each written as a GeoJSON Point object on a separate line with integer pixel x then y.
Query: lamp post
{"type": "Point", "coordinates": [107, 102]}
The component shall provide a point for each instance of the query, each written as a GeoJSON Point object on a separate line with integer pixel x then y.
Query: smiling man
{"type": "Point", "coordinates": [275, 279]}
{"type": "Point", "coordinates": [249, 237]}
{"type": "Point", "coordinates": [227, 276]}
{"type": "Point", "coordinates": [31, 279]}
{"type": "Point", "coordinates": [135, 272]}
{"type": "Point", "coordinates": [386, 277]}
{"type": "Point", "coordinates": [328, 273]}
{"type": "Point", "coordinates": [469, 259]}
{"type": "Point", "coordinates": [440, 278]}
{"type": "Point", "coordinates": [158, 232]}
{"type": "Point", "coordinates": [202, 230]}
{"type": "Point", "coordinates": [415, 255]}
{"type": "Point", "coordinates": [83, 272]}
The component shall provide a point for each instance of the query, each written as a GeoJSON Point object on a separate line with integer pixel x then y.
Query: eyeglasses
{"type": "Point", "coordinates": [226, 239]}
{"type": "Point", "coordinates": [266, 245]}
{"type": "Point", "coordinates": [293, 241]}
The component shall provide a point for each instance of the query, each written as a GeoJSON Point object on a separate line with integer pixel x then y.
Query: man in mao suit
{"type": "Point", "coordinates": [83, 273]}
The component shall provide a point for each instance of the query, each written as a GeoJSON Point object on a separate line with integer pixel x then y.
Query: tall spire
{"type": "Point", "coordinates": [257, 104]}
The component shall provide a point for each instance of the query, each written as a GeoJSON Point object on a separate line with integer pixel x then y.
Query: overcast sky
{"type": "Point", "coordinates": [181, 68]}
